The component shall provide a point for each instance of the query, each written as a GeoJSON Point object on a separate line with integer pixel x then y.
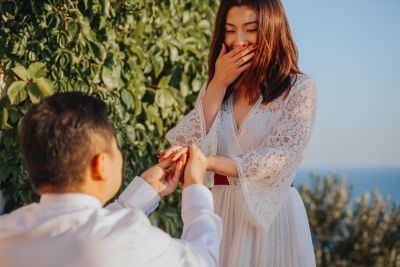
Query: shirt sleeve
{"type": "Point", "coordinates": [199, 244]}
{"type": "Point", "coordinates": [138, 195]}
{"type": "Point", "coordinates": [266, 173]}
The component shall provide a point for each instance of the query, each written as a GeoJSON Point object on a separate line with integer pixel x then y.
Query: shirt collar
{"type": "Point", "coordinates": [70, 199]}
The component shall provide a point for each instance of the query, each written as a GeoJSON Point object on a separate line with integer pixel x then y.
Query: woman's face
{"type": "Point", "coordinates": [240, 27]}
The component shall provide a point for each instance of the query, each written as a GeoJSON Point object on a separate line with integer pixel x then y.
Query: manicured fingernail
{"type": "Point", "coordinates": [244, 45]}
{"type": "Point", "coordinates": [254, 46]}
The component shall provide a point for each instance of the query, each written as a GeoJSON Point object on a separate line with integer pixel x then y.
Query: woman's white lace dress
{"type": "Point", "coordinates": [264, 219]}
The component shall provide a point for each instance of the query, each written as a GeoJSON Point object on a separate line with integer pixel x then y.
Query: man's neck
{"type": "Point", "coordinates": [87, 190]}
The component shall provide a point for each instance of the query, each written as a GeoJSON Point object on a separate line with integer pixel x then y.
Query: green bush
{"type": "Point", "coordinates": [365, 235]}
{"type": "Point", "coordinates": [145, 59]}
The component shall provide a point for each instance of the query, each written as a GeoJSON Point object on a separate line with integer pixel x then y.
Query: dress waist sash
{"type": "Point", "coordinates": [223, 180]}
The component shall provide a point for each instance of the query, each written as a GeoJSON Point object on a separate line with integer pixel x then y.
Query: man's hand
{"type": "Point", "coordinates": [163, 177]}
{"type": "Point", "coordinates": [195, 169]}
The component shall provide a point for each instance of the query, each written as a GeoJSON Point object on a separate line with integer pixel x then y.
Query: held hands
{"type": "Point", "coordinates": [163, 177]}
{"type": "Point", "coordinates": [230, 65]}
{"type": "Point", "coordinates": [196, 165]}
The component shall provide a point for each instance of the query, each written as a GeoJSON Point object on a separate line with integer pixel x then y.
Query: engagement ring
{"type": "Point", "coordinates": [237, 61]}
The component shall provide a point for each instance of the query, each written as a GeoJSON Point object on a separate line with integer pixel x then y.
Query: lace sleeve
{"type": "Point", "coordinates": [267, 172]}
{"type": "Point", "coordinates": [192, 129]}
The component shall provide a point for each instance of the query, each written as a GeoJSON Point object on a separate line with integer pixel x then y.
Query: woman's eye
{"type": "Point", "coordinates": [229, 31]}
{"type": "Point", "coordinates": [253, 30]}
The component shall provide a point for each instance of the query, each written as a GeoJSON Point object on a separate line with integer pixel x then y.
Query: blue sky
{"type": "Point", "coordinates": [352, 50]}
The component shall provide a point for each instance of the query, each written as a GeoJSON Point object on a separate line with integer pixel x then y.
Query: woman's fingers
{"type": "Point", "coordinates": [174, 153]}
{"type": "Point", "coordinates": [223, 51]}
{"type": "Point", "coordinates": [236, 50]}
{"type": "Point", "coordinates": [168, 152]}
{"type": "Point", "coordinates": [238, 57]}
{"type": "Point", "coordinates": [241, 50]}
{"type": "Point", "coordinates": [176, 174]}
{"type": "Point", "coordinates": [243, 62]}
{"type": "Point", "coordinates": [231, 64]}
{"type": "Point", "coordinates": [179, 153]}
{"type": "Point", "coordinates": [243, 53]}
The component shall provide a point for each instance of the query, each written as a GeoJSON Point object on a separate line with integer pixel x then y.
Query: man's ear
{"type": "Point", "coordinates": [99, 166]}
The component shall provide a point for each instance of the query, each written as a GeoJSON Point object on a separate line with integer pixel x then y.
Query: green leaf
{"type": "Point", "coordinates": [17, 92]}
{"type": "Point", "coordinates": [140, 127]}
{"type": "Point", "coordinates": [164, 81]}
{"type": "Point", "coordinates": [6, 155]}
{"type": "Point", "coordinates": [184, 86]}
{"type": "Point", "coordinates": [4, 102]}
{"type": "Point", "coordinates": [3, 120]}
{"type": "Point", "coordinates": [158, 64]}
{"type": "Point", "coordinates": [130, 133]}
{"type": "Point", "coordinates": [153, 116]}
{"type": "Point", "coordinates": [174, 53]}
{"type": "Point", "coordinates": [196, 85]}
{"type": "Point", "coordinates": [14, 115]}
{"type": "Point", "coordinates": [75, 14]}
{"type": "Point", "coordinates": [138, 29]}
{"type": "Point", "coordinates": [15, 48]}
{"type": "Point", "coordinates": [4, 172]}
{"type": "Point", "coordinates": [7, 141]}
{"type": "Point", "coordinates": [204, 24]}
{"type": "Point", "coordinates": [36, 70]}
{"type": "Point", "coordinates": [21, 50]}
{"type": "Point", "coordinates": [21, 72]}
{"type": "Point", "coordinates": [190, 48]}
{"type": "Point", "coordinates": [127, 98]}
{"type": "Point", "coordinates": [166, 97]}
{"type": "Point", "coordinates": [98, 50]}
{"type": "Point", "coordinates": [34, 93]}
{"type": "Point", "coordinates": [106, 7]}
{"type": "Point", "coordinates": [45, 86]}
{"type": "Point", "coordinates": [73, 29]}
{"type": "Point", "coordinates": [85, 2]}
{"type": "Point", "coordinates": [109, 78]}
{"type": "Point", "coordinates": [26, 197]}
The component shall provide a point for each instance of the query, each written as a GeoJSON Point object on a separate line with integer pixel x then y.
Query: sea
{"type": "Point", "coordinates": [386, 180]}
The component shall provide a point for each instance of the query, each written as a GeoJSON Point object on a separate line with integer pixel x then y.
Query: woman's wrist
{"type": "Point", "coordinates": [210, 162]}
{"type": "Point", "coordinates": [218, 85]}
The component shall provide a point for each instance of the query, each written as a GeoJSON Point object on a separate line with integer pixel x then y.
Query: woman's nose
{"type": "Point", "coordinates": [240, 40]}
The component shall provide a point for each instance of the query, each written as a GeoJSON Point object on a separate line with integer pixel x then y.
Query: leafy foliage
{"type": "Point", "coordinates": [145, 59]}
{"type": "Point", "coordinates": [366, 235]}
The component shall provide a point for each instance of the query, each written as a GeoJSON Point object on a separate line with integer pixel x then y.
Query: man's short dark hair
{"type": "Point", "coordinates": [60, 136]}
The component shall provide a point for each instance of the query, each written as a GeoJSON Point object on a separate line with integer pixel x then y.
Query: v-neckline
{"type": "Point", "coordinates": [238, 130]}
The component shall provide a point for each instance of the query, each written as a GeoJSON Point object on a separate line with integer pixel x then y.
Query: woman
{"type": "Point", "coordinates": [254, 119]}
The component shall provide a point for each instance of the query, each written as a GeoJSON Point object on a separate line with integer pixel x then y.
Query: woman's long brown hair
{"type": "Point", "coordinates": [275, 61]}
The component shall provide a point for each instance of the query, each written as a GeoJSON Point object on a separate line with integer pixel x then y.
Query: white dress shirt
{"type": "Point", "coordinates": [74, 230]}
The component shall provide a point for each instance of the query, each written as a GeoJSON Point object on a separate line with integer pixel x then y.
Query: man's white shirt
{"type": "Point", "coordinates": [74, 230]}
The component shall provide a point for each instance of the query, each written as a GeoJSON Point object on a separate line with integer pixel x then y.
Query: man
{"type": "Point", "coordinates": [75, 165]}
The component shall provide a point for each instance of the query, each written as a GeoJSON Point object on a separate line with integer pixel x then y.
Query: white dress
{"type": "Point", "coordinates": [264, 219]}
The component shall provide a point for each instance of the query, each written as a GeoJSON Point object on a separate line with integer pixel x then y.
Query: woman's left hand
{"type": "Point", "coordinates": [175, 152]}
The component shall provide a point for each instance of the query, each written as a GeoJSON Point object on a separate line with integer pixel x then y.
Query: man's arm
{"type": "Point", "coordinates": [145, 192]}
{"type": "Point", "coordinates": [138, 195]}
{"type": "Point", "coordinates": [199, 245]}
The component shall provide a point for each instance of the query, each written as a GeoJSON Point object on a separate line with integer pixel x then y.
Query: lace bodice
{"type": "Point", "coordinates": [267, 149]}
